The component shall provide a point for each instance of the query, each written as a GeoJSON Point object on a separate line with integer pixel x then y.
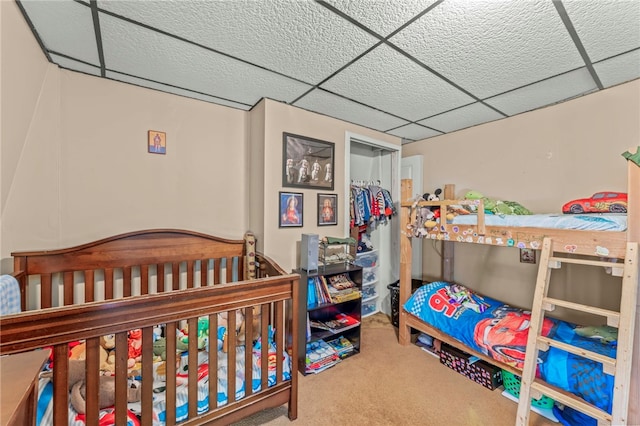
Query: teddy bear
{"type": "Point", "coordinates": [108, 343]}
{"type": "Point", "coordinates": [106, 387]}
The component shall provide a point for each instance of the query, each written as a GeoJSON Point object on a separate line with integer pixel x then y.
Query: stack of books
{"type": "Point", "coordinates": [342, 346]}
{"type": "Point", "coordinates": [338, 324]}
{"type": "Point", "coordinates": [334, 289]}
{"type": "Point", "coordinates": [320, 356]}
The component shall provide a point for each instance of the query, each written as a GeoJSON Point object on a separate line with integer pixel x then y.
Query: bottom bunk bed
{"type": "Point", "coordinates": [156, 327]}
{"type": "Point", "coordinates": [497, 333]}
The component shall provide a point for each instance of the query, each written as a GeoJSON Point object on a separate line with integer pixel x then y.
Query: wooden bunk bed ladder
{"type": "Point", "coordinates": [624, 320]}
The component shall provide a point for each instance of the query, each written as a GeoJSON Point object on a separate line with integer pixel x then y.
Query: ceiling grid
{"type": "Point", "coordinates": [410, 68]}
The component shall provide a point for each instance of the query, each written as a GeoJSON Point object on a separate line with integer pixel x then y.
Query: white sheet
{"type": "Point", "coordinates": [588, 222]}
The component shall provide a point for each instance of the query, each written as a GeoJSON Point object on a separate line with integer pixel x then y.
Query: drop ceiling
{"type": "Point", "coordinates": [410, 68]}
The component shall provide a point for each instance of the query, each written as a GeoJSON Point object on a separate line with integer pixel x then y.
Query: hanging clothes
{"type": "Point", "coordinates": [370, 205]}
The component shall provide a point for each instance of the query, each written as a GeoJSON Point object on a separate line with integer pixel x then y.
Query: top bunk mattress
{"type": "Point", "coordinates": [586, 222]}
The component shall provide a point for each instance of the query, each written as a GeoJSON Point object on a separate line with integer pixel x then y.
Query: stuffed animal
{"type": "Point", "coordinates": [134, 341]}
{"type": "Point", "coordinates": [433, 197]}
{"type": "Point", "coordinates": [492, 206]}
{"type": "Point", "coordinates": [106, 387]}
{"type": "Point", "coordinates": [108, 343]}
{"type": "Point", "coordinates": [606, 334]}
{"type": "Point", "coordinates": [160, 347]}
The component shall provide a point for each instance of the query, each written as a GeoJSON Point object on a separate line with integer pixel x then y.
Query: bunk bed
{"type": "Point", "coordinates": [578, 243]}
{"type": "Point", "coordinates": [221, 313]}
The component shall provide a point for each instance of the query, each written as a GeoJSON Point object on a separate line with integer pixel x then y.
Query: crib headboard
{"type": "Point", "coordinates": [140, 262]}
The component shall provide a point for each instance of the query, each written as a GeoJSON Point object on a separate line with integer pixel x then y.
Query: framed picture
{"type": "Point", "coordinates": [157, 142]}
{"type": "Point", "coordinates": [327, 209]}
{"type": "Point", "coordinates": [527, 255]}
{"type": "Point", "coordinates": [307, 162]}
{"type": "Point", "coordinates": [290, 210]}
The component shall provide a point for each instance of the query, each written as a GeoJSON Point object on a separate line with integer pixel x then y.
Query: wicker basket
{"type": "Point", "coordinates": [511, 384]}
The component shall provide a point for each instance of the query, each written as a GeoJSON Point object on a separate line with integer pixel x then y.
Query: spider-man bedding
{"type": "Point", "coordinates": [500, 331]}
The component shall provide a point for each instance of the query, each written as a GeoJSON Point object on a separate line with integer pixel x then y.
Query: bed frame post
{"type": "Point", "coordinates": [404, 332]}
{"type": "Point", "coordinates": [633, 235]}
{"type": "Point", "coordinates": [447, 246]}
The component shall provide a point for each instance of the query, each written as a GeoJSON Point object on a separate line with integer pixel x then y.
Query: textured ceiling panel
{"type": "Point", "coordinates": [386, 80]}
{"type": "Point", "coordinates": [175, 91]}
{"type": "Point", "coordinates": [619, 69]}
{"type": "Point", "coordinates": [75, 65]}
{"type": "Point", "coordinates": [544, 93]}
{"type": "Point", "coordinates": [382, 16]}
{"type": "Point", "coordinates": [413, 132]}
{"type": "Point", "coordinates": [280, 35]}
{"type": "Point", "coordinates": [335, 106]}
{"type": "Point", "coordinates": [141, 52]}
{"type": "Point", "coordinates": [460, 118]}
{"type": "Point", "coordinates": [488, 47]}
{"type": "Point", "coordinates": [594, 21]}
{"type": "Point", "coordinates": [65, 27]}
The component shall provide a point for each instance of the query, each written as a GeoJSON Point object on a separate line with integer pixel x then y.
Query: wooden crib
{"type": "Point", "coordinates": [164, 280]}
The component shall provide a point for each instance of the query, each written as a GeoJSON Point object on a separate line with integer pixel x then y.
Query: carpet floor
{"type": "Point", "coordinates": [389, 384]}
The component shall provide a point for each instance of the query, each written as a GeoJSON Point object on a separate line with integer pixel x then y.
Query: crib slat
{"type": "Point", "coordinates": [171, 373]}
{"type": "Point", "coordinates": [241, 266]}
{"type": "Point", "coordinates": [279, 338]}
{"type": "Point", "coordinates": [213, 361]}
{"type": "Point", "coordinates": [147, 376]}
{"type": "Point", "coordinates": [126, 281]}
{"type": "Point", "coordinates": [264, 349]}
{"type": "Point", "coordinates": [68, 288]}
{"type": "Point", "coordinates": [192, 323]}
{"type": "Point", "coordinates": [204, 269]}
{"type": "Point", "coordinates": [231, 356]}
{"type": "Point", "coordinates": [175, 275]}
{"type": "Point", "coordinates": [160, 275]}
{"type": "Point", "coordinates": [190, 283]}
{"type": "Point", "coordinates": [45, 291]}
{"type": "Point", "coordinates": [248, 350]}
{"type": "Point", "coordinates": [89, 285]}
{"type": "Point", "coordinates": [215, 264]}
{"type": "Point", "coordinates": [108, 283]}
{"type": "Point", "coordinates": [60, 385]}
{"type": "Point", "coordinates": [121, 378]}
{"type": "Point", "coordinates": [144, 279]}
{"type": "Point", "coordinates": [92, 379]}
{"type": "Point", "coordinates": [229, 269]}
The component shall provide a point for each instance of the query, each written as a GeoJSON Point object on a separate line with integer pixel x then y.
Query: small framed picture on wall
{"type": "Point", "coordinates": [290, 209]}
{"type": "Point", "coordinates": [157, 142]}
{"type": "Point", "coordinates": [327, 209]}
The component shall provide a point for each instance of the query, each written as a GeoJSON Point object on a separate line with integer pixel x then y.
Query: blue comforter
{"type": "Point", "coordinates": [500, 331]}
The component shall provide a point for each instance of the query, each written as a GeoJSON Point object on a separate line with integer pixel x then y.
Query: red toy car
{"type": "Point", "coordinates": [600, 202]}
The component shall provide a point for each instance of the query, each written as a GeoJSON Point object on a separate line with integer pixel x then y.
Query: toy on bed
{"type": "Point", "coordinates": [600, 202]}
{"type": "Point", "coordinates": [492, 206]}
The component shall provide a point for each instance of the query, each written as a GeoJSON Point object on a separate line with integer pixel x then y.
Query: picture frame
{"type": "Point", "coordinates": [307, 163]}
{"type": "Point", "coordinates": [527, 255]}
{"type": "Point", "coordinates": [156, 142]}
{"type": "Point", "coordinates": [327, 209]}
{"type": "Point", "coordinates": [290, 209]}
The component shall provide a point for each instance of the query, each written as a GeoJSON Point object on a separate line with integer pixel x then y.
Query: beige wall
{"type": "Point", "coordinates": [75, 165]}
{"type": "Point", "coordinates": [542, 159]}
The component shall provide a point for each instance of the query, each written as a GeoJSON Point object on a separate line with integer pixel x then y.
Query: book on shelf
{"type": "Point", "coordinates": [335, 325]}
{"type": "Point", "coordinates": [342, 346]}
{"type": "Point", "coordinates": [321, 292]}
{"type": "Point", "coordinates": [341, 281]}
{"type": "Point", "coordinates": [320, 356]}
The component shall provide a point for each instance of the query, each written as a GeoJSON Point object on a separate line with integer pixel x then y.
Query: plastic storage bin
{"type": "Point", "coordinates": [369, 308]}
{"type": "Point", "coordinates": [511, 384]}
{"type": "Point", "coordinates": [369, 292]}
{"type": "Point", "coordinates": [367, 259]}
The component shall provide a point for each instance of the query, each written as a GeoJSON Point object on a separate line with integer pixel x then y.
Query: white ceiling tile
{"type": "Point", "coordinates": [387, 80]}
{"type": "Point", "coordinates": [168, 89]}
{"type": "Point", "coordinates": [335, 106]}
{"type": "Point", "coordinates": [75, 65]}
{"type": "Point", "coordinates": [488, 47]}
{"type": "Point", "coordinates": [382, 16]}
{"type": "Point", "coordinates": [606, 28]}
{"type": "Point", "coordinates": [280, 35]}
{"type": "Point", "coordinates": [461, 118]}
{"type": "Point", "coordinates": [65, 27]}
{"type": "Point", "coordinates": [138, 51]}
{"type": "Point", "coordinates": [413, 132]}
{"type": "Point", "coordinates": [619, 69]}
{"type": "Point", "coordinates": [547, 92]}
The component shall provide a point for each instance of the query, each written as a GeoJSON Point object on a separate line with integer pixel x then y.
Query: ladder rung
{"type": "Point", "coordinates": [608, 363]}
{"type": "Point", "coordinates": [602, 263]}
{"type": "Point", "coordinates": [571, 400]}
{"type": "Point", "coordinates": [613, 317]}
